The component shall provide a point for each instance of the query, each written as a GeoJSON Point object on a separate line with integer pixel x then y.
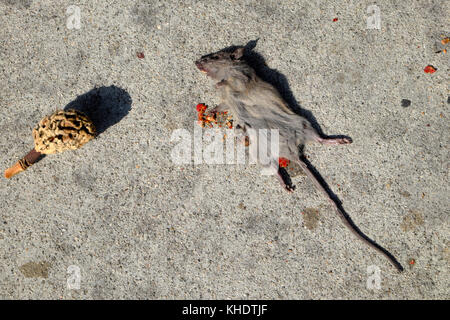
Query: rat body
{"type": "Point", "coordinates": [256, 104]}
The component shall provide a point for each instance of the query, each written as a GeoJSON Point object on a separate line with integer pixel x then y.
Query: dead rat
{"type": "Point", "coordinates": [256, 104]}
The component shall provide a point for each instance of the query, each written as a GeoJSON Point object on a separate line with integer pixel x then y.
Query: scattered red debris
{"type": "Point", "coordinates": [430, 69]}
{"type": "Point", "coordinates": [335, 19]}
{"type": "Point", "coordinates": [412, 262]}
{"type": "Point", "coordinates": [201, 108]}
{"type": "Point", "coordinates": [140, 55]}
{"type": "Point", "coordinates": [209, 119]}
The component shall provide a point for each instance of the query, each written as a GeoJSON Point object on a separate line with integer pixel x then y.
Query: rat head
{"type": "Point", "coordinates": [219, 65]}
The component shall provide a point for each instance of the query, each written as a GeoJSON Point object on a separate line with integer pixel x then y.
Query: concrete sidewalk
{"type": "Point", "coordinates": [117, 219]}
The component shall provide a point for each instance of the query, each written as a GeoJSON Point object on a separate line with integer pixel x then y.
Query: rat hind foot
{"type": "Point", "coordinates": [334, 141]}
{"type": "Point", "coordinates": [288, 187]}
{"type": "Point", "coordinates": [285, 180]}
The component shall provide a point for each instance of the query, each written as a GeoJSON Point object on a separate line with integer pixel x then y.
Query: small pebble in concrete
{"type": "Point", "coordinates": [406, 103]}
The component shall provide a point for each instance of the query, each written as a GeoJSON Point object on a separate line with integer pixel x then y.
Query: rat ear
{"type": "Point", "coordinates": [238, 53]}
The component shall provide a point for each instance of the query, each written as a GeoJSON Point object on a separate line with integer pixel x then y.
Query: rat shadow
{"type": "Point", "coordinates": [105, 106]}
{"type": "Point", "coordinates": [280, 82]}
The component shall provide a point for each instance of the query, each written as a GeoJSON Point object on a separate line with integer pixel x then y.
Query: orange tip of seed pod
{"type": "Point", "coordinates": [15, 169]}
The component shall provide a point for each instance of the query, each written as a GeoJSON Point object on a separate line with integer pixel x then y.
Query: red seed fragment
{"type": "Point", "coordinates": [335, 19]}
{"type": "Point", "coordinates": [283, 162]}
{"type": "Point", "coordinates": [140, 55]}
{"type": "Point", "coordinates": [201, 107]}
{"type": "Point", "coordinates": [430, 69]}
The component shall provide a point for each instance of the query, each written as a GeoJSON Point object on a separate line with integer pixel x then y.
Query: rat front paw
{"type": "Point", "coordinates": [221, 84]}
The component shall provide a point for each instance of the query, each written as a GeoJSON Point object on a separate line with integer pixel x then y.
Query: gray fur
{"type": "Point", "coordinates": [254, 103]}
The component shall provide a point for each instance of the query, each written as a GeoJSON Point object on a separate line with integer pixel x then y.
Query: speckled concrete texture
{"type": "Point", "coordinates": [127, 222]}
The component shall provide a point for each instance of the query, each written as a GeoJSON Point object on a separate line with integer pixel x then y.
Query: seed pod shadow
{"type": "Point", "coordinates": [105, 106]}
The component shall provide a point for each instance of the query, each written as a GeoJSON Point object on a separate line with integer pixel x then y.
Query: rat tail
{"type": "Point", "coordinates": [320, 183]}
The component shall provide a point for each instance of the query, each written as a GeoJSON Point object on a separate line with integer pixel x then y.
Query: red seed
{"type": "Point", "coordinates": [430, 69]}
{"type": "Point", "coordinates": [283, 162]}
{"type": "Point", "coordinates": [201, 107]}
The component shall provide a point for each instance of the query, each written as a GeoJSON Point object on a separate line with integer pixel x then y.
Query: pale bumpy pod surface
{"type": "Point", "coordinates": [61, 131]}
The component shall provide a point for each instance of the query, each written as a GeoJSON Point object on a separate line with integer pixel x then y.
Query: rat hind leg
{"type": "Point", "coordinates": [312, 135]}
{"type": "Point", "coordinates": [334, 141]}
{"type": "Point", "coordinates": [285, 180]}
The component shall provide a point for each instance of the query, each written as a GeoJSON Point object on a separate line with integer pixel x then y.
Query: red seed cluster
{"type": "Point", "coordinates": [209, 119]}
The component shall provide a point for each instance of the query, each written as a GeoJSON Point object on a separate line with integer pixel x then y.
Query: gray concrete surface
{"type": "Point", "coordinates": [138, 226]}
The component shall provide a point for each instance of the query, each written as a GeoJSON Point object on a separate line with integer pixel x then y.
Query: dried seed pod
{"type": "Point", "coordinates": [61, 131]}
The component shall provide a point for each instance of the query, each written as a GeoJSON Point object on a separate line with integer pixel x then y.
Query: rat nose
{"type": "Point", "coordinates": [200, 66]}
